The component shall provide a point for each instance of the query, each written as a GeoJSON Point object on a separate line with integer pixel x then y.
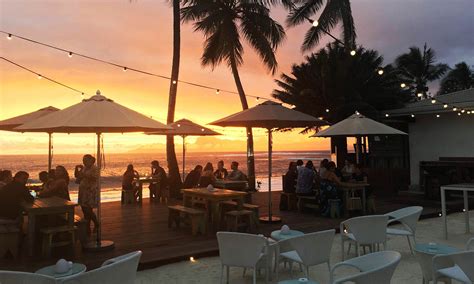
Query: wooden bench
{"type": "Point", "coordinates": [9, 238]}
{"type": "Point", "coordinates": [50, 232]}
{"type": "Point", "coordinates": [227, 206]}
{"type": "Point", "coordinates": [240, 218]}
{"type": "Point", "coordinates": [307, 202]}
{"type": "Point", "coordinates": [178, 213]}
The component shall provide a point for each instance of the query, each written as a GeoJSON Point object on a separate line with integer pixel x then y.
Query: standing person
{"type": "Point", "coordinates": [221, 172]}
{"type": "Point", "coordinates": [192, 179]}
{"type": "Point", "coordinates": [299, 166]}
{"type": "Point", "coordinates": [58, 186]}
{"type": "Point", "coordinates": [236, 174]}
{"type": "Point", "coordinates": [305, 180]}
{"type": "Point", "coordinates": [5, 177]}
{"type": "Point", "coordinates": [88, 177]}
{"type": "Point", "coordinates": [159, 189]}
{"type": "Point", "coordinates": [12, 195]}
{"type": "Point", "coordinates": [207, 176]}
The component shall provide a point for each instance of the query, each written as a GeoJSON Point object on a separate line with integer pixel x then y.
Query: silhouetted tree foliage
{"type": "Point", "coordinates": [458, 79]}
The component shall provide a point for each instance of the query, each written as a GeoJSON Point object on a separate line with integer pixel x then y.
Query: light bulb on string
{"type": "Point", "coordinates": [125, 69]}
{"type": "Point", "coordinates": [459, 113]}
{"type": "Point", "coordinates": [468, 112]}
{"type": "Point", "coordinates": [257, 99]}
{"type": "Point", "coordinates": [420, 95]}
{"type": "Point", "coordinates": [380, 72]}
{"type": "Point", "coordinates": [174, 82]}
{"type": "Point", "coordinates": [455, 108]}
{"type": "Point", "coordinates": [353, 52]}
{"type": "Point", "coordinates": [218, 91]}
{"type": "Point", "coordinates": [412, 115]}
{"type": "Point", "coordinates": [69, 54]}
{"type": "Point", "coordinates": [387, 115]}
{"type": "Point", "coordinates": [82, 95]}
{"type": "Point", "coordinates": [445, 105]}
{"type": "Point", "coordinates": [39, 76]}
{"type": "Point", "coordinates": [403, 85]}
{"type": "Point", "coordinates": [327, 110]}
{"type": "Point", "coordinates": [9, 36]}
{"type": "Point", "coordinates": [433, 101]}
{"type": "Point", "coordinates": [315, 23]}
{"type": "Point", "coordinates": [437, 116]}
{"type": "Point", "coordinates": [463, 111]}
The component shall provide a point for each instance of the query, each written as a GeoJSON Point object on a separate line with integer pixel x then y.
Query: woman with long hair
{"type": "Point", "coordinates": [59, 184]}
{"type": "Point", "coordinates": [88, 176]}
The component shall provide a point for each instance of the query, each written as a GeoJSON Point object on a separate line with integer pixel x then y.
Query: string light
{"type": "Point", "coordinates": [257, 99]}
{"type": "Point", "coordinates": [380, 72]}
{"type": "Point", "coordinates": [459, 113]}
{"type": "Point", "coordinates": [9, 36]}
{"type": "Point", "coordinates": [124, 69]}
{"type": "Point", "coordinates": [463, 110]}
{"type": "Point", "coordinates": [403, 85]}
{"type": "Point", "coordinates": [387, 115]}
{"type": "Point", "coordinates": [353, 53]}
{"type": "Point", "coordinates": [39, 76]}
{"type": "Point", "coordinates": [315, 23]}
{"type": "Point", "coordinates": [174, 82]}
{"type": "Point", "coordinates": [327, 110]}
{"type": "Point", "coordinates": [420, 95]}
{"type": "Point", "coordinates": [445, 106]}
{"type": "Point", "coordinates": [218, 91]}
{"type": "Point", "coordinates": [455, 108]}
{"type": "Point", "coordinates": [69, 54]}
{"type": "Point", "coordinates": [412, 115]}
{"type": "Point", "coordinates": [437, 115]}
{"type": "Point", "coordinates": [433, 101]}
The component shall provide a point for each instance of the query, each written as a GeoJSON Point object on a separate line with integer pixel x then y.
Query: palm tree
{"type": "Point", "coordinates": [174, 176]}
{"type": "Point", "coordinates": [417, 68]}
{"type": "Point", "coordinates": [314, 86]}
{"type": "Point", "coordinates": [224, 23]}
{"type": "Point", "coordinates": [458, 79]}
{"type": "Point", "coordinates": [333, 13]}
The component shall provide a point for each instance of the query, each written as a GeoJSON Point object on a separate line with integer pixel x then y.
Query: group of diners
{"type": "Point", "coordinates": [202, 177]}
{"type": "Point", "coordinates": [54, 183]}
{"type": "Point", "coordinates": [305, 180]}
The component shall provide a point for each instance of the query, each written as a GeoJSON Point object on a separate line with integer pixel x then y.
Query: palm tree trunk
{"type": "Point", "coordinates": [243, 101]}
{"type": "Point", "coordinates": [174, 177]}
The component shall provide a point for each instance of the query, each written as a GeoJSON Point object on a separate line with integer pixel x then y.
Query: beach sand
{"type": "Point", "coordinates": [207, 270]}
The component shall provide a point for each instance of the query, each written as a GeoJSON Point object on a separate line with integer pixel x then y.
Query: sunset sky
{"type": "Point", "coordinates": [138, 34]}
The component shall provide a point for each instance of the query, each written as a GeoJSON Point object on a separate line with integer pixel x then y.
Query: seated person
{"type": "Point", "coordinates": [5, 177]}
{"type": "Point", "coordinates": [322, 166]}
{"type": "Point", "coordinates": [44, 178]}
{"type": "Point", "coordinates": [289, 186]}
{"type": "Point", "coordinates": [347, 170]}
{"type": "Point", "coordinates": [128, 178]}
{"type": "Point", "coordinates": [236, 174]}
{"type": "Point", "coordinates": [305, 180]}
{"type": "Point", "coordinates": [157, 172]}
{"type": "Point", "coordinates": [192, 179]}
{"type": "Point", "coordinates": [58, 186]}
{"type": "Point", "coordinates": [12, 195]}
{"type": "Point", "coordinates": [221, 172]}
{"type": "Point", "coordinates": [359, 175]}
{"type": "Point", "coordinates": [207, 176]}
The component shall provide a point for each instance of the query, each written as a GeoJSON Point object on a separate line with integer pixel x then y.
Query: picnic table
{"type": "Point", "coordinates": [351, 187]}
{"type": "Point", "coordinates": [144, 180]}
{"type": "Point", "coordinates": [46, 206]}
{"type": "Point", "coordinates": [212, 200]}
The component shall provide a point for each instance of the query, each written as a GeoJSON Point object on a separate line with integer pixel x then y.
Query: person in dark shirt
{"type": "Point", "coordinates": [5, 177]}
{"type": "Point", "coordinates": [236, 174]}
{"type": "Point", "coordinates": [159, 189]}
{"type": "Point", "coordinates": [13, 194]}
{"type": "Point", "coordinates": [192, 179]}
{"type": "Point", "coordinates": [221, 172]}
{"type": "Point", "coordinates": [207, 176]}
{"type": "Point", "coordinates": [289, 186]}
{"type": "Point", "coordinates": [128, 177]}
{"type": "Point", "coordinates": [59, 185]}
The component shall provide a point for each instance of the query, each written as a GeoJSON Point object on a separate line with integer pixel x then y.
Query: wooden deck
{"type": "Point", "coordinates": [145, 228]}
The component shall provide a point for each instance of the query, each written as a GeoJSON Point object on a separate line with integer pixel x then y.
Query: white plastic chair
{"type": "Point", "coordinates": [308, 250]}
{"type": "Point", "coordinates": [462, 271]}
{"type": "Point", "coordinates": [16, 277]}
{"type": "Point", "coordinates": [470, 244]}
{"type": "Point", "coordinates": [377, 267]}
{"type": "Point", "coordinates": [408, 217]}
{"type": "Point", "coordinates": [242, 250]}
{"type": "Point", "coordinates": [121, 269]}
{"type": "Point", "coordinates": [364, 231]}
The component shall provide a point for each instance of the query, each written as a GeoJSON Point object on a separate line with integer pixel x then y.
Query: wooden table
{"type": "Point", "coordinates": [464, 187]}
{"type": "Point", "coordinates": [142, 180]}
{"type": "Point", "coordinates": [351, 187]}
{"type": "Point", "coordinates": [212, 199]}
{"type": "Point", "coordinates": [230, 184]}
{"type": "Point", "coordinates": [46, 206]}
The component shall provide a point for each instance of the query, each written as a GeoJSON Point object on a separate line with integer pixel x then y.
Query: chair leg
{"type": "Point", "coordinates": [329, 266]}
{"type": "Point", "coordinates": [357, 249]}
{"type": "Point", "coordinates": [254, 275]}
{"type": "Point", "coordinates": [222, 273]}
{"type": "Point", "coordinates": [227, 272]}
{"type": "Point", "coordinates": [349, 248]}
{"type": "Point", "coordinates": [301, 267]}
{"type": "Point", "coordinates": [243, 273]}
{"type": "Point", "coordinates": [342, 247]}
{"type": "Point", "coordinates": [307, 272]}
{"type": "Point", "coordinates": [409, 244]}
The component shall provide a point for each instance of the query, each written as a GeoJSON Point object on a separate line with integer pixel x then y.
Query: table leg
{"type": "Point", "coordinates": [216, 218]}
{"type": "Point", "coordinates": [31, 232]}
{"type": "Point", "coordinates": [443, 213]}
{"type": "Point", "coordinates": [466, 210]}
{"type": "Point", "coordinates": [364, 201]}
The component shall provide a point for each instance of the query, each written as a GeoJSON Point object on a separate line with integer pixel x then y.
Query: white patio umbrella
{"type": "Point", "coordinates": [10, 124]}
{"type": "Point", "coordinates": [270, 115]}
{"type": "Point", "coordinates": [185, 127]}
{"type": "Point", "coordinates": [97, 114]}
{"type": "Point", "coordinates": [357, 125]}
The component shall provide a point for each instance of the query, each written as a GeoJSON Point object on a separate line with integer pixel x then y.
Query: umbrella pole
{"type": "Point", "coordinates": [270, 218]}
{"type": "Point", "coordinates": [184, 155]}
{"type": "Point", "coordinates": [50, 152]}
{"type": "Point", "coordinates": [99, 244]}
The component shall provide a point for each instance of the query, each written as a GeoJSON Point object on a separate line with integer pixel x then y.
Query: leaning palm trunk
{"type": "Point", "coordinates": [243, 101]}
{"type": "Point", "coordinates": [174, 176]}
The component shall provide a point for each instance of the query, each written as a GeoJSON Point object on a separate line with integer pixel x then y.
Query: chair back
{"type": "Point", "coordinates": [408, 216]}
{"type": "Point", "coordinates": [465, 260]}
{"type": "Point", "coordinates": [368, 229]}
{"type": "Point", "coordinates": [240, 249]}
{"type": "Point", "coordinates": [121, 269]}
{"type": "Point", "coordinates": [375, 267]}
{"type": "Point", "coordinates": [314, 248]}
{"type": "Point", "coordinates": [16, 277]}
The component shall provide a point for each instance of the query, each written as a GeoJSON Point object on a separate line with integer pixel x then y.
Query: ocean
{"type": "Point", "coordinates": [115, 165]}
